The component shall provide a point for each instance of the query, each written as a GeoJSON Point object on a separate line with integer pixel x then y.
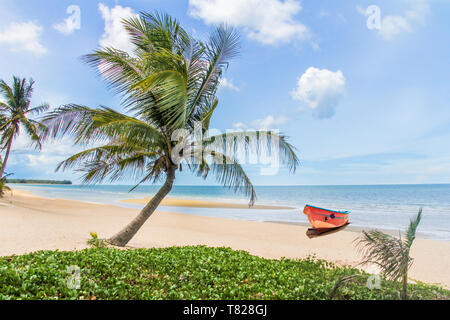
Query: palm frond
{"type": "Point", "coordinates": [39, 109]}
{"type": "Point", "coordinates": [389, 253]}
{"type": "Point", "coordinates": [411, 233]}
{"type": "Point", "coordinates": [169, 89]}
{"type": "Point", "coordinates": [7, 92]}
{"type": "Point", "coordinates": [385, 251]}
{"type": "Point", "coordinates": [111, 161]}
{"type": "Point", "coordinates": [223, 46]}
{"type": "Point", "coordinates": [227, 171]}
{"type": "Point", "coordinates": [116, 67]}
{"type": "Point", "coordinates": [258, 142]}
{"type": "Point", "coordinates": [33, 132]}
{"type": "Point", "coordinates": [73, 120]}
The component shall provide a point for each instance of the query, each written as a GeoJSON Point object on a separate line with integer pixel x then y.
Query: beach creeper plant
{"type": "Point", "coordinates": [15, 112]}
{"type": "Point", "coordinates": [389, 253]}
{"type": "Point", "coordinates": [168, 84]}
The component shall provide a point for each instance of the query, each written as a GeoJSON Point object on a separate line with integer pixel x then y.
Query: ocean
{"type": "Point", "coordinates": [386, 207]}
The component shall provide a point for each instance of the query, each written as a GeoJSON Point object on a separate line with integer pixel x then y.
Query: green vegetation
{"type": "Point", "coordinates": [31, 181]}
{"type": "Point", "coordinates": [3, 186]}
{"type": "Point", "coordinates": [391, 254]}
{"type": "Point", "coordinates": [169, 88]}
{"type": "Point", "coordinates": [185, 273]}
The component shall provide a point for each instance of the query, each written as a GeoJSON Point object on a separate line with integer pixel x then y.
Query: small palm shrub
{"type": "Point", "coordinates": [95, 241]}
{"type": "Point", "coordinates": [389, 253]}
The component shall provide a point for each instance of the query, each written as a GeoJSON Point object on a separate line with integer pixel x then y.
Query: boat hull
{"type": "Point", "coordinates": [314, 233]}
{"type": "Point", "coordinates": [323, 219]}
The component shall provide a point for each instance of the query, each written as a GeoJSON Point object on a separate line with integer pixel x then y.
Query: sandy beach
{"type": "Point", "coordinates": [171, 202]}
{"type": "Point", "coordinates": [29, 223]}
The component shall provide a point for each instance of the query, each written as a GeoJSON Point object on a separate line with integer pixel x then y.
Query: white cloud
{"type": "Point", "coordinates": [23, 36]}
{"type": "Point", "coordinates": [67, 27]}
{"type": "Point", "coordinates": [239, 125]}
{"type": "Point", "coordinates": [320, 90]}
{"type": "Point", "coordinates": [115, 34]}
{"type": "Point", "coordinates": [393, 25]}
{"type": "Point", "coordinates": [267, 21]}
{"type": "Point", "coordinates": [228, 83]}
{"type": "Point", "coordinates": [49, 162]}
{"type": "Point", "coordinates": [269, 122]}
{"type": "Point", "coordinates": [45, 161]}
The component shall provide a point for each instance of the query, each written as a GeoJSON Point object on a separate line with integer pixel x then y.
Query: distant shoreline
{"type": "Point", "coordinates": [39, 182]}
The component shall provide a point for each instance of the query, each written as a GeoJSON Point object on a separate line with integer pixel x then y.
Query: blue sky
{"type": "Point", "coordinates": [362, 104]}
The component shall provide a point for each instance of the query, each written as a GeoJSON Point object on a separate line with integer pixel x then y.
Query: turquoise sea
{"type": "Point", "coordinates": [377, 206]}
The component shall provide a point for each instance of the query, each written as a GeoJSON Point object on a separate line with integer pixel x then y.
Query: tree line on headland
{"type": "Point", "coordinates": [28, 181]}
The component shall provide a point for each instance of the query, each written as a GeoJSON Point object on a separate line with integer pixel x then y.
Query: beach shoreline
{"type": "Point", "coordinates": [30, 223]}
{"type": "Point", "coordinates": [190, 203]}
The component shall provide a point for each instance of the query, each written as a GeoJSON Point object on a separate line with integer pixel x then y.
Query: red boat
{"type": "Point", "coordinates": [324, 220]}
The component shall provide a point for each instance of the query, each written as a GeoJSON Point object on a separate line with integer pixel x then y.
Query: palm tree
{"type": "Point", "coordinates": [391, 254]}
{"type": "Point", "coordinates": [14, 115]}
{"type": "Point", "coordinates": [168, 85]}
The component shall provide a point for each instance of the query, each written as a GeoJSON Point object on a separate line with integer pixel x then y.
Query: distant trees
{"type": "Point", "coordinates": [29, 181]}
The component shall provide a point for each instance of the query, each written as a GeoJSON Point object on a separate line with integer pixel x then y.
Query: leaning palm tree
{"type": "Point", "coordinates": [15, 114]}
{"type": "Point", "coordinates": [168, 84]}
{"type": "Point", "coordinates": [389, 253]}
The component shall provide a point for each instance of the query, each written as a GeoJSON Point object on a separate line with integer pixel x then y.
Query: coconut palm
{"type": "Point", "coordinates": [15, 114]}
{"type": "Point", "coordinates": [168, 84]}
{"type": "Point", "coordinates": [389, 253]}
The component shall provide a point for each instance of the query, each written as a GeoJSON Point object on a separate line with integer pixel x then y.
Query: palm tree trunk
{"type": "Point", "coordinates": [8, 150]}
{"type": "Point", "coordinates": [127, 233]}
{"type": "Point", "coordinates": [405, 287]}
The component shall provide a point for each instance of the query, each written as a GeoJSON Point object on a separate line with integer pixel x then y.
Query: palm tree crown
{"type": "Point", "coordinates": [14, 115]}
{"type": "Point", "coordinates": [169, 84]}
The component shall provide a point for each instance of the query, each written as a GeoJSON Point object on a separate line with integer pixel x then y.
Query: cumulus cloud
{"type": "Point", "coordinates": [228, 84]}
{"type": "Point", "coordinates": [66, 27]}
{"type": "Point", "coordinates": [267, 21]}
{"type": "Point", "coordinates": [320, 90]}
{"type": "Point", "coordinates": [269, 122]}
{"type": "Point", "coordinates": [115, 34]}
{"type": "Point", "coordinates": [23, 36]}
